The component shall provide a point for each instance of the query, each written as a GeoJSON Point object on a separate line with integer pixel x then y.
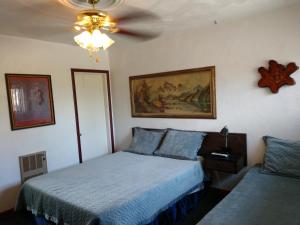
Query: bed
{"type": "Point", "coordinates": [268, 194]}
{"type": "Point", "coordinates": [156, 181]}
{"type": "Point", "coordinates": [121, 188]}
{"type": "Point", "coordinates": [259, 199]}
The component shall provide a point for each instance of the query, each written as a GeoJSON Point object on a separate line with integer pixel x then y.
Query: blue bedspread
{"type": "Point", "coordinates": [118, 189]}
{"type": "Point", "coordinates": [259, 199]}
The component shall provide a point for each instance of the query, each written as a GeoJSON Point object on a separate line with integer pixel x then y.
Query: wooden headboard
{"type": "Point", "coordinates": [214, 141]}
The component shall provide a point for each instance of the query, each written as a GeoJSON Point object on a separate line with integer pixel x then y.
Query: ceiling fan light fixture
{"type": "Point", "coordinates": [90, 23]}
{"type": "Point", "coordinates": [93, 41]}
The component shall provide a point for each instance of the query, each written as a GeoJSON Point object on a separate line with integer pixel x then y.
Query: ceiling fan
{"type": "Point", "coordinates": [94, 24]}
{"type": "Point", "coordinates": [94, 28]}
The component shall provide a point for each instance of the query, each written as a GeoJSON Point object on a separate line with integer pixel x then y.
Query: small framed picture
{"type": "Point", "coordinates": [30, 100]}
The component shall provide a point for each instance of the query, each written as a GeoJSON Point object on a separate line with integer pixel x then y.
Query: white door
{"type": "Point", "coordinates": [93, 114]}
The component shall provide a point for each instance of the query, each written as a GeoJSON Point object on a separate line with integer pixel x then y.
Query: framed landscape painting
{"type": "Point", "coordinates": [178, 94]}
{"type": "Point", "coordinates": [30, 100]}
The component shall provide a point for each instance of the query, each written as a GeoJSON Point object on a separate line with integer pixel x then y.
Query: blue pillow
{"type": "Point", "coordinates": [145, 141]}
{"type": "Point", "coordinates": [282, 157]}
{"type": "Point", "coordinates": [180, 144]}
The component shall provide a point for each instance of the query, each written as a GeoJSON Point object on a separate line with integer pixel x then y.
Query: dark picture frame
{"type": "Point", "coordinates": [30, 100]}
{"type": "Point", "coordinates": [187, 93]}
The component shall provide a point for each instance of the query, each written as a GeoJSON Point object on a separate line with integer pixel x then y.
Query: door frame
{"type": "Point", "coordinates": [106, 72]}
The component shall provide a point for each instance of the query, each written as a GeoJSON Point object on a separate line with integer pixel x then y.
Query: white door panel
{"type": "Point", "coordinates": [93, 115]}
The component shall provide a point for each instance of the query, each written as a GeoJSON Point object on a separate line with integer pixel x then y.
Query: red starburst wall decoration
{"type": "Point", "coordinates": [277, 75]}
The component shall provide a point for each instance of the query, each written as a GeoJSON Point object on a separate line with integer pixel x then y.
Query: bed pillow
{"type": "Point", "coordinates": [180, 144]}
{"type": "Point", "coordinates": [282, 157]}
{"type": "Point", "coordinates": [145, 141]}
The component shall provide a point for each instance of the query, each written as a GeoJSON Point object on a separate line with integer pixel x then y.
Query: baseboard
{"type": "Point", "coordinates": [6, 213]}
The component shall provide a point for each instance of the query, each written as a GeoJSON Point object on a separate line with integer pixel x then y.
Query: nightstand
{"type": "Point", "coordinates": [224, 173]}
{"type": "Point", "coordinates": [232, 164]}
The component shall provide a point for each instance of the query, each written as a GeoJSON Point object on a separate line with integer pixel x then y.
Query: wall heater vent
{"type": "Point", "coordinates": [32, 165]}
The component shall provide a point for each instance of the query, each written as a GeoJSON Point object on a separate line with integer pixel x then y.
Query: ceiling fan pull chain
{"type": "Point", "coordinates": [93, 54]}
{"type": "Point", "coordinates": [97, 58]}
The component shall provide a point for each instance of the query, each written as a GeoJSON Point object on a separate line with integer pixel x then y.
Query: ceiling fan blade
{"type": "Point", "coordinates": [128, 14]}
{"type": "Point", "coordinates": [139, 35]}
{"type": "Point", "coordinates": [131, 22]}
{"type": "Point", "coordinates": [135, 16]}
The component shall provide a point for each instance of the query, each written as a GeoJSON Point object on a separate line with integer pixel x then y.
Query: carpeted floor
{"type": "Point", "coordinates": [211, 198]}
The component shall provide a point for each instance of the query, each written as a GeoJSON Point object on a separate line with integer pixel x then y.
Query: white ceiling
{"type": "Point", "coordinates": [52, 21]}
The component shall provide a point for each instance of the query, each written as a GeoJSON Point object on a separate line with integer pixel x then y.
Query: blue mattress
{"type": "Point", "coordinates": [259, 199]}
{"type": "Point", "coordinates": [122, 188]}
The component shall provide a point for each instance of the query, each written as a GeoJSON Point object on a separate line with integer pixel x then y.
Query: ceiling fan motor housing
{"type": "Point", "coordinates": [94, 19]}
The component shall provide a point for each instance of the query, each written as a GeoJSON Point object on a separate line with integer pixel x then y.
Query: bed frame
{"type": "Point", "coordinates": [213, 141]}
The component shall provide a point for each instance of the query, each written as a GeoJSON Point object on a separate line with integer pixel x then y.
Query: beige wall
{"type": "Point", "coordinates": [19, 55]}
{"type": "Point", "coordinates": [237, 49]}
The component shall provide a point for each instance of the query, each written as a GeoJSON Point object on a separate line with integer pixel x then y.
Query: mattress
{"type": "Point", "coordinates": [117, 189]}
{"type": "Point", "coordinates": [259, 199]}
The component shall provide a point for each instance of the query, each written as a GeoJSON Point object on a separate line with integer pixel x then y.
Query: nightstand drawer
{"type": "Point", "coordinates": [232, 164]}
{"type": "Point", "coordinates": [219, 165]}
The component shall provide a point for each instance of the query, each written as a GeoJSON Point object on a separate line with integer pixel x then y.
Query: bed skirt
{"type": "Point", "coordinates": [171, 216]}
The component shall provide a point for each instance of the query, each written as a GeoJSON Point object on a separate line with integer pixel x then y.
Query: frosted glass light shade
{"type": "Point", "coordinates": [93, 41]}
{"type": "Point", "coordinates": [106, 41]}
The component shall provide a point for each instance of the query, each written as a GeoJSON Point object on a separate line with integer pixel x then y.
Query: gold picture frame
{"type": "Point", "coordinates": [187, 93]}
